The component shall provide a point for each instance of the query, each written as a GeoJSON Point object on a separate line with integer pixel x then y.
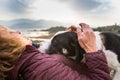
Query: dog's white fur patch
{"type": "Point", "coordinates": [110, 56]}
{"type": "Point", "coordinates": [64, 51]}
{"type": "Point", "coordinates": [59, 32]}
{"type": "Point", "coordinates": [99, 43]}
{"type": "Point", "coordinates": [44, 46]}
{"type": "Point", "coordinates": [113, 64]}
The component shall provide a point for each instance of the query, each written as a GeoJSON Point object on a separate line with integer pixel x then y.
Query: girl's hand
{"type": "Point", "coordinates": [86, 38]}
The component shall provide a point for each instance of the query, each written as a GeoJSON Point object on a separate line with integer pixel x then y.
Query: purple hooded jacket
{"type": "Point", "coordinates": [33, 65]}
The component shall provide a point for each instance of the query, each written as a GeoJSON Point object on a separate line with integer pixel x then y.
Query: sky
{"type": "Point", "coordinates": [92, 12]}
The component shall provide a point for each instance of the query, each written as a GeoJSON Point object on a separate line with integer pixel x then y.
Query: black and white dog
{"type": "Point", "coordinates": [66, 43]}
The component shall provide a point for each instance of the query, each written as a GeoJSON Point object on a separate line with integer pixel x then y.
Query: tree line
{"type": "Point", "coordinates": [112, 28]}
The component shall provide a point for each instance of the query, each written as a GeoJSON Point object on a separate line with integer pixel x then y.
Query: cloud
{"type": "Point", "coordinates": [15, 6]}
{"type": "Point", "coordinates": [91, 6]}
{"type": "Point", "coordinates": [86, 4]}
{"type": "Point", "coordinates": [96, 12]}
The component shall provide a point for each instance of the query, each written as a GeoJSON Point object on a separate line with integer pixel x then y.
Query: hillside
{"type": "Point", "coordinates": [24, 25]}
{"type": "Point", "coordinates": [53, 30]}
{"type": "Point", "coordinates": [113, 28]}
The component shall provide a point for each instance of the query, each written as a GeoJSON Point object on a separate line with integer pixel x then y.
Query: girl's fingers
{"type": "Point", "coordinates": [80, 36]}
{"type": "Point", "coordinates": [85, 27]}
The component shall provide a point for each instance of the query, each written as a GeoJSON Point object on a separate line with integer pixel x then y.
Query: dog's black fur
{"type": "Point", "coordinates": [66, 41]}
{"type": "Point", "coordinates": [69, 41]}
{"type": "Point", "coordinates": [112, 42]}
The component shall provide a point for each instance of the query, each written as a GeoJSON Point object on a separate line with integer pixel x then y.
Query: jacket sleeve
{"type": "Point", "coordinates": [97, 66]}
{"type": "Point", "coordinates": [49, 68]}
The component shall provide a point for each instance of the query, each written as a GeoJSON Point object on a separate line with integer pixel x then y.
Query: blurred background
{"type": "Point", "coordinates": [38, 20]}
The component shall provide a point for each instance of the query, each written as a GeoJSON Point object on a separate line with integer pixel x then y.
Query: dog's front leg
{"type": "Point", "coordinates": [113, 63]}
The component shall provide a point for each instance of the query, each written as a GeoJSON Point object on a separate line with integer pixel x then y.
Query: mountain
{"type": "Point", "coordinates": [29, 24]}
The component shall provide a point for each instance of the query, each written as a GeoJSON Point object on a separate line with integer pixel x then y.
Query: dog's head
{"type": "Point", "coordinates": [65, 43]}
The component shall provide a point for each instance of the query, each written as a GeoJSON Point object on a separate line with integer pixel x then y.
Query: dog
{"type": "Point", "coordinates": [66, 43]}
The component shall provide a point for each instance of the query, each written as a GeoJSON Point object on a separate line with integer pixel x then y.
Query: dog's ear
{"type": "Point", "coordinates": [72, 28]}
{"type": "Point", "coordinates": [78, 50]}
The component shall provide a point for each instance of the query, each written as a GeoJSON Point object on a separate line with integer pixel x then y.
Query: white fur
{"type": "Point", "coordinates": [44, 46]}
{"type": "Point", "coordinates": [113, 64]}
{"type": "Point", "coordinates": [64, 51]}
{"type": "Point", "coordinates": [59, 32]}
{"type": "Point", "coordinates": [98, 41]}
{"type": "Point", "coordinates": [110, 56]}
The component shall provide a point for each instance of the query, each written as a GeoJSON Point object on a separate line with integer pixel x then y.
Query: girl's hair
{"type": "Point", "coordinates": [10, 51]}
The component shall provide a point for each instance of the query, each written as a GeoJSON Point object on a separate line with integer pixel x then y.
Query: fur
{"type": "Point", "coordinates": [66, 43]}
